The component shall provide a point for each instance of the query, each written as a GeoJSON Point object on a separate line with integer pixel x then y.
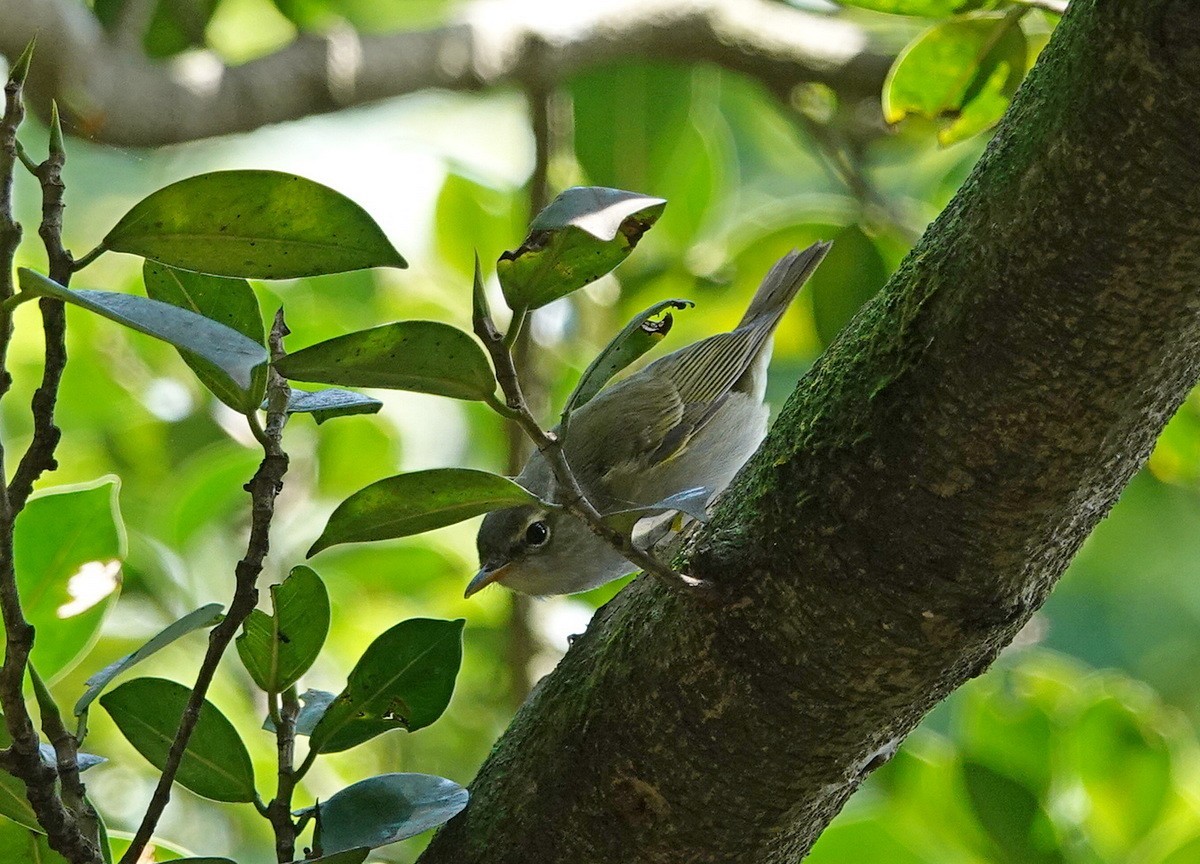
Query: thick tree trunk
{"type": "Point", "coordinates": [923, 489]}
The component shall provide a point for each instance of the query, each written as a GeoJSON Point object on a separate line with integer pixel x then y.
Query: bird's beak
{"type": "Point", "coordinates": [486, 577]}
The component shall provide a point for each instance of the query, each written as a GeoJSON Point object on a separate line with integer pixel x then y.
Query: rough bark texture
{"type": "Point", "coordinates": [924, 487]}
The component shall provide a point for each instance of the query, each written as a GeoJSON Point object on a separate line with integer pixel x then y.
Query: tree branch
{"type": "Point", "coordinates": [915, 502]}
{"type": "Point", "coordinates": [114, 94]}
{"type": "Point", "coordinates": [263, 489]}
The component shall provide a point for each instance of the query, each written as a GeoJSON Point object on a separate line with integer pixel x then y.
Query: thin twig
{"type": "Point", "coordinates": [22, 758]}
{"type": "Point", "coordinates": [263, 489]}
{"type": "Point", "coordinates": [66, 755]}
{"type": "Point", "coordinates": [279, 811]}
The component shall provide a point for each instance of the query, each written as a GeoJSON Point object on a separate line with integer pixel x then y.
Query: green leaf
{"type": "Point", "coordinates": [278, 648]}
{"type": "Point", "coordinates": [68, 546]}
{"type": "Point", "coordinates": [639, 336]}
{"type": "Point", "coordinates": [13, 803]}
{"type": "Point", "coordinates": [1011, 814]}
{"type": "Point", "coordinates": [19, 845]}
{"type": "Point", "coordinates": [326, 404]}
{"type": "Point", "coordinates": [256, 224]}
{"type": "Point", "coordinates": [199, 619]}
{"type": "Point", "coordinates": [237, 357]}
{"type": "Point", "coordinates": [350, 856]}
{"type": "Point", "coordinates": [386, 809]}
{"type": "Point", "coordinates": [215, 764]}
{"type": "Point", "coordinates": [961, 73]}
{"type": "Point", "coordinates": [227, 301]}
{"type": "Point", "coordinates": [157, 850]}
{"type": "Point", "coordinates": [584, 233]}
{"type": "Point", "coordinates": [470, 216]}
{"type": "Point", "coordinates": [690, 501]}
{"type": "Point", "coordinates": [851, 274]}
{"type": "Point", "coordinates": [924, 8]}
{"type": "Point", "coordinates": [174, 26]}
{"type": "Point", "coordinates": [314, 703]}
{"type": "Point", "coordinates": [420, 501]}
{"type": "Point", "coordinates": [402, 681]}
{"type": "Point", "coordinates": [421, 356]}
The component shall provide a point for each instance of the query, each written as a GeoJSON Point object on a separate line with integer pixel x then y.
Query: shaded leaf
{"type": "Point", "coordinates": [326, 404]}
{"type": "Point", "coordinates": [350, 856]}
{"type": "Point", "coordinates": [204, 617]}
{"type": "Point", "coordinates": [584, 233]}
{"type": "Point", "coordinates": [470, 215]}
{"type": "Point", "coordinates": [851, 274]}
{"type": "Point", "coordinates": [421, 356]}
{"type": "Point", "coordinates": [639, 336]}
{"type": "Point", "coordinates": [386, 809]}
{"type": "Point", "coordinates": [1011, 814]}
{"type": "Point", "coordinates": [402, 681]}
{"type": "Point", "coordinates": [313, 706]}
{"type": "Point", "coordinates": [924, 8]}
{"type": "Point", "coordinates": [157, 850]}
{"type": "Point", "coordinates": [420, 501]}
{"type": "Point", "coordinates": [226, 349]}
{"type": "Point", "coordinates": [689, 501]}
{"type": "Point", "coordinates": [227, 301]}
{"type": "Point", "coordinates": [215, 764]}
{"type": "Point", "coordinates": [84, 760]}
{"type": "Point", "coordinates": [256, 224]}
{"type": "Point", "coordinates": [13, 803]}
{"type": "Point", "coordinates": [174, 26]}
{"type": "Point", "coordinates": [278, 648]}
{"type": "Point", "coordinates": [67, 549]}
{"type": "Point", "coordinates": [961, 73]}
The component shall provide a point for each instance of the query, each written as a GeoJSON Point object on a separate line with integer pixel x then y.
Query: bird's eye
{"type": "Point", "coordinates": [537, 533]}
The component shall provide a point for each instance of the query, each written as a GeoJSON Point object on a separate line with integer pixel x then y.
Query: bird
{"type": "Point", "coordinates": [690, 419]}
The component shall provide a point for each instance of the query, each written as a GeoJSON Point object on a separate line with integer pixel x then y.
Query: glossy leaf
{"type": "Point", "coordinates": [215, 764]}
{"type": "Point", "coordinates": [278, 648]}
{"type": "Point", "coordinates": [961, 73]}
{"type": "Point", "coordinates": [421, 356]}
{"type": "Point", "coordinates": [851, 274]}
{"type": "Point", "coordinates": [386, 809]}
{"type": "Point", "coordinates": [638, 336]}
{"type": "Point", "coordinates": [254, 224]}
{"type": "Point", "coordinates": [923, 8]}
{"type": "Point", "coordinates": [584, 233]}
{"type": "Point", "coordinates": [402, 681]}
{"type": "Point", "coordinates": [313, 706]}
{"type": "Point", "coordinates": [236, 356]}
{"type": "Point", "coordinates": [326, 404]}
{"type": "Point", "coordinates": [420, 501]}
{"type": "Point", "coordinates": [690, 501]}
{"type": "Point", "coordinates": [199, 619]}
{"type": "Point", "coordinates": [228, 301]}
{"type": "Point", "coordinates": [68, 546]}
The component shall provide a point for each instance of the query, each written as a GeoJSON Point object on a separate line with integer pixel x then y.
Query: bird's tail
{"type": "Point", "coordinates": [781, 285]}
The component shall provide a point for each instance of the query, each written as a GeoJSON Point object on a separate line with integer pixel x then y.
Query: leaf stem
{"type": "Point", "coordinates": [263, 487]}
{"type": "Point", "coordinates": [79, 263]}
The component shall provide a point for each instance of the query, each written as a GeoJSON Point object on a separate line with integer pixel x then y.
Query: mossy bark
{"type": "Point", "coordinates": [922, 491]}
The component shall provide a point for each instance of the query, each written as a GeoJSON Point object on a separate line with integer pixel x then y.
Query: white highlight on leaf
{"type": "Point", "coordinates": [90, 584]}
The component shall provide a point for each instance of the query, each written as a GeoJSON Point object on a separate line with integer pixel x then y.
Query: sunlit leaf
{"type": "Point", "coordinates": [254, 224]}
{"type": "Point", "coordinates": [228, 350]}
{"type": "Point", "coordinates": [416, 502]}
{"type": "Point", "coordinates": [228, 301]}
{"type": "Point", "coordinates": [67, 548]}
{"type": "Point", "coordinates": [202, 618]}
{"type": "Point", "coordinates": [584, 233]}
{"type": "Point", "coordinates": [470, 216]}
{"type": "Point", "coordinates": [961, 73]}
{"type": "Point", "coordinates": [640, 335]}
{"type": "Point", "coordinates": [19, 845]}
{"type": "Point", "coordinates": [386, 809]}
{"type": "Point", "coordinates": [278, 648]}
{"type": "Point", "coordinates": [215, 764]}
{"type": "Point", "coordinates": [421, 356]}
{"type": "Point", "coordinates": [156, 851]}
{"type": "Point", "coordinates": [851, 274]}
{"type": "Point", "coordinates": [924, 8]}
{"type": "Point", "coordinates": [326, 404]}
{"type": "Point", "coordinates": [14, 804]}
{"type": "Point", "coordinates": [402, 681]}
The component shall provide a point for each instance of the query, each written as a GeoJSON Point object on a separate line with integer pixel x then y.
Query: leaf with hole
{"type": "Point", "coordinates": [277, 649]}
{"type": "Point", "coordinates": [199, 619]}
{"type": "Point", "coordinates": [584, 233]}
{"type": "Point", "coordinates": [329, 403]}
{"type": "Point", "coordinates": [960, 73]}
{"type": "Point", "coordinates": [215, 764]}
{"type": "Point", "coordinates": [640, 335]}
{"type": "Point", "coordinates": [254, 224]}
{"type": "Point", "coordinates": [420, 501]}
{"type": "Point", "coordinates": [420, 356]}
{"type": "Point", "coordinates": [386, 809]}
{"type": "Point", "coordinates": [402, 681]}
{"type": "Point", "coordinates": [68, 546]}
{"type": "Point", "coordinates": [233, 354]}
{"type": "Point", "coordinates": [227, 301]}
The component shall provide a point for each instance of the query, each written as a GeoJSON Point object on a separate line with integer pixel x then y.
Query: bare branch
{"type": "Point", "coordinates": [117, 95]}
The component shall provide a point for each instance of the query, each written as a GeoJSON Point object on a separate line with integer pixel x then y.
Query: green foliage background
{"type": "Point", "coordinates": [1042, 760]}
